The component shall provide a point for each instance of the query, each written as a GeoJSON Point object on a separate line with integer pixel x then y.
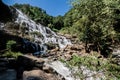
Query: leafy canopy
{"type": "Point", "coordinates": [94, 22]}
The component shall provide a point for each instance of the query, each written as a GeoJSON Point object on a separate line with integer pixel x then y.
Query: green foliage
{"type": "Point", "coordinates": [58, 22]}
{"type": "Point", "coordinates": [11, 54]}
{"type": "Point", "coordinates": [94, 22]}
{"type": "Point", "coordinates": [94, 63]}
{"type": "Point", "coordinates": [40, 16]}
{"type": "Point", "coordinates": [9, 44]}
{"type": "Point", "coordinates": [90, 61]}
{"type": "Point", "coordinates": [37, 14]}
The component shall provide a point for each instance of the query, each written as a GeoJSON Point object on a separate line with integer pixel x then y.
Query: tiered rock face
{"type": "Point", "coordinates": [67, 52]}
{"type": "Point", "coordinates": [30, 67]}
{"type": "Point", "coordinates": [24, 27]}
{"type": "Point", "coordinates": [40, 35]}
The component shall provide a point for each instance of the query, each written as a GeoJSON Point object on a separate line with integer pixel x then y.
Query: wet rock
{"type": "Point", "coordinates": [61, 69]}
{"type": "Point", "coordinates": [76, 47]}
{"type": "Point", "coordinates": [68, 56]}
{"type": "Point", "coordinates": [9, 74]}
{"type": "Point", "coordinates": [3, 64]}
{"type": "Point", "coordinates": [27, 62]}
{"type": "Point", "coordinates": [55, 50]}
{"type": "Point", "coordinates": [47, 69]}
{"type": "Point", "coordinates": [38, 75]}
{"type": "Point", "coordinates": [116, 56]}
{"type": "Point", "coordinates": [30, 61]}
{"type": "Point", "coordinates": [67, 36]}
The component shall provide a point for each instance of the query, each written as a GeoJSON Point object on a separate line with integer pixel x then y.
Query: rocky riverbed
{"type": "Point", "coordinates": [50, 67]}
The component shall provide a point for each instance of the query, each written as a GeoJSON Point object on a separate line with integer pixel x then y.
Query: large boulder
{"type": "Point", "coordinates": [38, 75]}
{"type": "Point", "coordinates": [27, 62]}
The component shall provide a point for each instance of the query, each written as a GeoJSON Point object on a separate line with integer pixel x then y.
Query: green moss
{"type": "Point", "coordinates": [96, 64]}
{"type": "Point", "coordinates": [11, 54]}
{"type": "Point", "coordinates": [9, 44]}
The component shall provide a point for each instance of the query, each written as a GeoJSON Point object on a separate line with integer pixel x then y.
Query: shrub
{"type": "Point", "coordinates": [94, 63]}
{"type": "Point", "coordinates": [11, 54]}
{"type": "Point", "coordinates": [9, 44]}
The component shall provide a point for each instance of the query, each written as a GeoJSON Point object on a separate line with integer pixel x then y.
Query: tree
{"type": "Point", "coordinates": [58, 22]}
{"type": "Point", "coordinates": [95, 21]}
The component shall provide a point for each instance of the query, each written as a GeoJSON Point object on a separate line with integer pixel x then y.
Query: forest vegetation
{"type": "Point", "coordinates": [94, 22]}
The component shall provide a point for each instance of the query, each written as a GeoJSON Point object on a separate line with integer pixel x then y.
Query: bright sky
{"type": "Point", "coordinates": [52, 7]}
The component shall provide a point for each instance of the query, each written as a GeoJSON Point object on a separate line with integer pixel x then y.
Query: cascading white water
{"type": "Point", "coordinates": [1, 26]}
{"type": "Point", "coordinates": [48, 36]}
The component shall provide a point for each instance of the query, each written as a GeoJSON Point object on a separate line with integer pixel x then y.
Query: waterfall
{"type": "Point", "coordinates": [46, 35]}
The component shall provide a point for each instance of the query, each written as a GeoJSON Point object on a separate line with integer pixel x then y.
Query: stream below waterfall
{"type": "Point", "coordinates": [9, 74]}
